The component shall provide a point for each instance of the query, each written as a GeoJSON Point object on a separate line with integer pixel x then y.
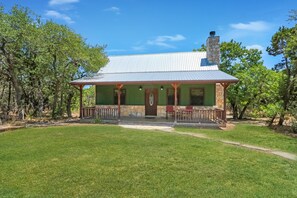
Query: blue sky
{"type": "Point", "coordinates": [156, 26]}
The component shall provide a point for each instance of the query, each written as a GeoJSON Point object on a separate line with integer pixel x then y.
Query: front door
{"type": "Point", "coordinates": [151, 102]}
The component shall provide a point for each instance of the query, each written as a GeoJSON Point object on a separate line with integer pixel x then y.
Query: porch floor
{"type": "Point", "coordinates": [157, 121]}
{"type": "Point", "coordinates": [151, 121]}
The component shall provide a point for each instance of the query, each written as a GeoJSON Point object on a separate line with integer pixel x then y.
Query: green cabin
{"type": "Point", "coordinates": [182, 86]}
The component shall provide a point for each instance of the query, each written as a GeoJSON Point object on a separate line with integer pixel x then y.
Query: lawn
{"type": "Point", "coordinates": [109, 161]}
{"type": "Point", "coordinates": [251, 134]}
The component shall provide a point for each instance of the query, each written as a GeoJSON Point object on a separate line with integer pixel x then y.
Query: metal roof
{"type": "Point", "coordinates": [179, 61]}
{"type": "Point", "coordinates": [211, 76]}
{"type": "Point", "coordinates": [185, 67]}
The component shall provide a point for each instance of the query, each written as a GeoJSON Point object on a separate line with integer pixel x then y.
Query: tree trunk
{"type": "Point", "coordinates": [16, 84]}
{"type": "Point", "coordinates": [234, 110]}
{"type": "Point", "coordinates": [281, 119]}
{"type": "Point", "coordinates": [272, 120]}
{"type": "Point", "coordinates": [286, 95]}
{"type": "Point", "coordinates": [2, 93]}
{"type": "Point", "coordinates": [18, 95]}
{"type": "Point", "coordinates": [285, 108]}
{"type": "Point", "coordinates": [40, 101]}
{"type": "Point", "coordinates": [243, 111]}
{"type": "Point", "coordinates": [60, 108]}
{"type": "Point", "coordinates": [68, 106]}
{"type": "Point", "coordinates": [9, 99]}
{"type": "Point", "coordinates": [55, 101]}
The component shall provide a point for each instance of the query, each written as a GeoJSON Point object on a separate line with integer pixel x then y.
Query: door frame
{"type": "Point", "coordinates": [155, 106]}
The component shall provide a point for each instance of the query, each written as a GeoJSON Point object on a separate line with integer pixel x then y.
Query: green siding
{"type": "Point", "coordinates": [104, 94]}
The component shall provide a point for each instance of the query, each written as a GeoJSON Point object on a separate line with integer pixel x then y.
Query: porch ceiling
{"type": "Point", "coordinates": [210, 76]}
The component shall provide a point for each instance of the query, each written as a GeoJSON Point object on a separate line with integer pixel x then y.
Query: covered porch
{"type": "Point", "coordinates": [175, 103]}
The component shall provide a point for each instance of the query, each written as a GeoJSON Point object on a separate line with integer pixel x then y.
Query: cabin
{"type": "Point", "coordinates": [179, 87]}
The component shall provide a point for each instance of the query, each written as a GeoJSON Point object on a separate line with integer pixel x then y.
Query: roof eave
{"type": "Point", "coordinates": [155, 82]}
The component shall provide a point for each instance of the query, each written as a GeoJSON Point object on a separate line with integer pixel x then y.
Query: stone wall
{"type": "Point", "coordinates": [213, 56]}
{"type": "Point", "coordinates": [161, 111]}
{"type": "Point", "coordinates": [213, 49]}
{"type": "Point", "coordinates": [219, 96]}
{"type": "Point", "coordinates": [128, 110]}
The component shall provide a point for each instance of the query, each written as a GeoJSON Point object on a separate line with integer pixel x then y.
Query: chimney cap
{"type": "Point", "coordinates": [212, 33]}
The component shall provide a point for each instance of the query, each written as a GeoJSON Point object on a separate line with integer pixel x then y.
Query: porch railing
{"type": "Point", "coordinates": [200, 115]}
{"type": "Point", "coordinates": [88, 112]}
{"type": "Point", "coordinates": [107, 113]}
{"type": "Point", "coordinates": [182, 115]}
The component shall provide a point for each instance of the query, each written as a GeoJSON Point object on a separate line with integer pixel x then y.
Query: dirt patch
{"type": "Point", "coordinates": [228, 127]}
{"type": "Point", "coordinates": [4, 128]}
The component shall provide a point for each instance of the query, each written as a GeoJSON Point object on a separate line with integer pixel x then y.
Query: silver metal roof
{"type": "Point", "coordinates": [179, 61]}
{"type": "Point", "coordinates": [185, 67]}
{"type": "Point", "coordinates": [211, 76]}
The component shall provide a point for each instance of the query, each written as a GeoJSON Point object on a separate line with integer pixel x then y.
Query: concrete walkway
{"type": "Point", "coordinates": [169, 129]}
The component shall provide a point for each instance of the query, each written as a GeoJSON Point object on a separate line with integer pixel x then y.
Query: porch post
{"type": "Point", "coordinates": [119, 86]}
{"type": "Point", "coordinates": [80, 101]}
{"type": "Point", "coordinates": [225, 85]}
{"type": "Point", "coordinates": [175, 85]}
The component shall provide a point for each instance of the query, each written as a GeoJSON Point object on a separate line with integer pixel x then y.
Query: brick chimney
{"type": "Point", "coordinates": [213, 48]}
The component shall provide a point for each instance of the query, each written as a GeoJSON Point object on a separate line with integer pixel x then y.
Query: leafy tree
{"type": "Point", "coordinates": [201, 49]}
{"type": "Point", "coordinates": [16, 31]}
{"type": "Point", "coordinates": [38, 60]}
{"type": "Point", "coordinates": [256, 82]}
{"type": "Point", "coordinates": [284, 44]}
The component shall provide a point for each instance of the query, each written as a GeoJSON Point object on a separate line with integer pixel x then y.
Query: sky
{"type": "Point", "coordinates": [160, 26]}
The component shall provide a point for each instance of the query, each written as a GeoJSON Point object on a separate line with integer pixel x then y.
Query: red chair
{"type": "Point", "coordinates": [189, 108]}
{"type": "Point", "coordinates": [169, 110]}
{"type": "Point", "coordinates": [189, 111]}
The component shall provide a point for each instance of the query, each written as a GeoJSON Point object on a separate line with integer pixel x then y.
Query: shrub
{"type": "Point", "coordinates": [294, 126]}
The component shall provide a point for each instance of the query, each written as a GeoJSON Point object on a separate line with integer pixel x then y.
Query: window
{"type": "Point", "coordinates": [123, 96]}
{"type": "Point", "coordinates": [170, 96]}
{"type": "Point", "coordinates": [197, 96]}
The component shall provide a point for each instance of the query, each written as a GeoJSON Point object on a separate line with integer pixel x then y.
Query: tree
{"type": "Point", "coordinates": [284, 44]}
{"type": "Point", "coordinates": [201, 49]}
{"type": "Point", "coordinates": [37, 62]}
{"type": "Point", "coordinates": [256, 82]}
{"type": "Point", "coordinates": [16, 29]}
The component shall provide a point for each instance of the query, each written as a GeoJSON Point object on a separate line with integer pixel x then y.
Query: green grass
{"type": "Point", "coordinates": [251, 134]}
{"type": "Point", "coordinates": [109, 161]}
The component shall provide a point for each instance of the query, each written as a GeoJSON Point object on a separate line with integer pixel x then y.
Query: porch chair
{"type": "Point", "coordinates": [189, 112]}
{"type": "Point", "coordinates": [169, 110]}
{"type": "Point", "coordinates": [189, 108]}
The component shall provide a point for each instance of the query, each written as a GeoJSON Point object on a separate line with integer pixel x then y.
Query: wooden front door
{"type": "Point", "coordinates": [151, 102]}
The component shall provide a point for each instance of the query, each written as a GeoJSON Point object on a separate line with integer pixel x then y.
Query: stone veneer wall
{"type": "Point", "coordinates": [219, 96]}
{"type": "Point", "coordinates": [139, 110]}
{"type": "Point", "coordinates": [213, 49]}
{"type": "Point", "coordinates": [128, 110]}
{"type": "Point", "coordinates": [213, 56]}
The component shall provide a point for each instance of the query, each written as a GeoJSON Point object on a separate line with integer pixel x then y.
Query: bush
{"type": "Point", "coordinates": [97, 121]}
{"type": "Point", "coordinates": [294, 126]}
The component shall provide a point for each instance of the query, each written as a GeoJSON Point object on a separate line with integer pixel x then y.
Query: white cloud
{"type": "Point", "coordinates": [57, 15]}
{"type": "Point", "coordinates": [162, 41]}
{"type": "Point", "coordinates": [115, 50]}
{"type": "Point", "coordinates": [113, 9]}
{"type": "Point", "coordinates": [257, 26]}
{"type": "Point", "coordinates": [61, 2]}
{"type": "Point", "coordinates": [255, 46]}
{"type": "Point", "coordinates": [138, 48]}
